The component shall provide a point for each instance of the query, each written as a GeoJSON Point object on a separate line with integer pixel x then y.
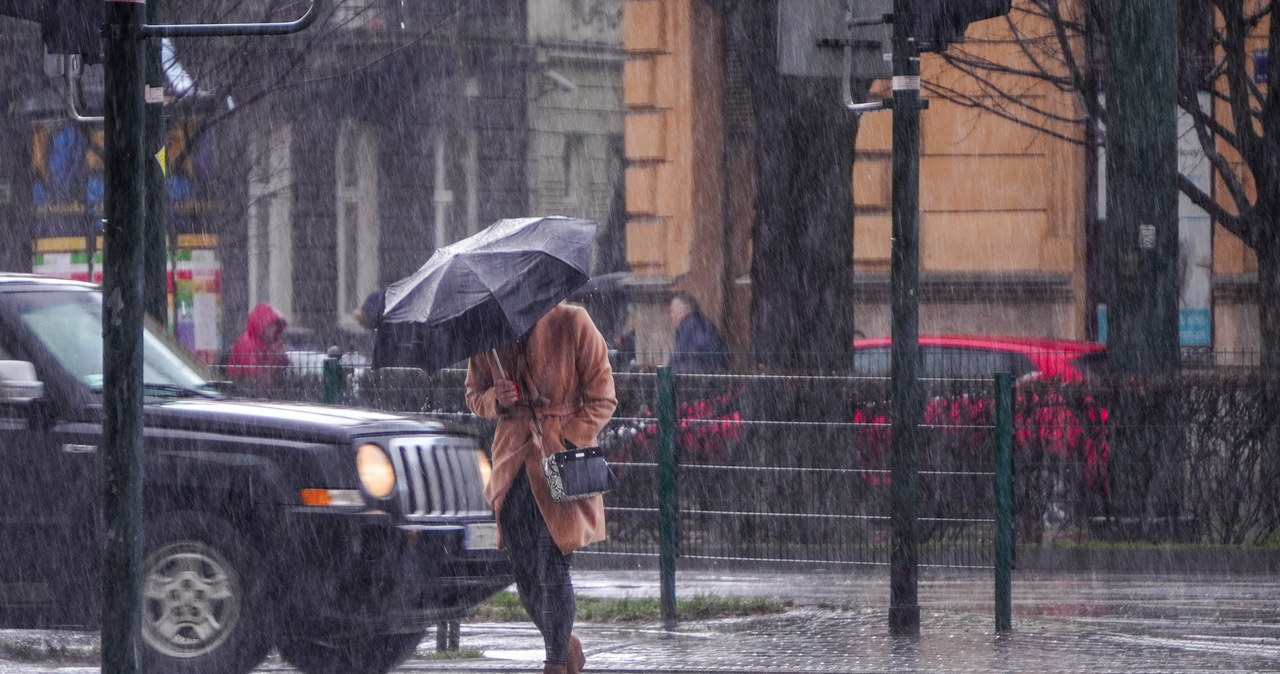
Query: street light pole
{"type": "Point", "coordinates": [122, 287]}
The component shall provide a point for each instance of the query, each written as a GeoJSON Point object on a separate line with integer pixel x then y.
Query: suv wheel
{"type": "Point", "coordinates": [201, 612]}
{"type": "Point", "coordinates": [373, 654]}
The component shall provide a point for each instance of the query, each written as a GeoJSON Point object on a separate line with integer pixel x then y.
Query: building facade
{"type": "Point", "coordinates": [309, 171]}
{"type": "Point", "coordinates": [1008, 240]}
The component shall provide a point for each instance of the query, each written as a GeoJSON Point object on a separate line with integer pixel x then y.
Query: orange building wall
{"type": "Point", "coordinates": [997, 198]}
{"type": "Point", "coordinates": [675, 155]}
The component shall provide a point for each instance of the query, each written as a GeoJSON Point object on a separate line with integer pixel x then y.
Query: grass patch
{"type": "Point", "coordinates": [458, 654]}
{"type": "Point", "coordinates": [505, 607]}
{"type": "Point", "coordinates": [1072, 543]}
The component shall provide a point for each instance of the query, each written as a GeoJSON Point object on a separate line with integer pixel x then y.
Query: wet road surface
{"type": "Point", "coordinates": [1078, 623]}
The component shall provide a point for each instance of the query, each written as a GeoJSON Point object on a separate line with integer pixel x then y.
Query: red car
{"type": "Point", "coordinates": [985, 355]}
{"type": "Point", "coordinates": [1054, 418]}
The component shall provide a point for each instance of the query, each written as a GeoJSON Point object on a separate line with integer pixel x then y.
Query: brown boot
{"type": "Point", "coordinates": [576, 658]}
{"type": "Point", "coordinates": [549, 668]}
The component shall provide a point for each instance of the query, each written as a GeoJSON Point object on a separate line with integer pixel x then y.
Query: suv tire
{"type": "Point", "coordinates": [202, 609]}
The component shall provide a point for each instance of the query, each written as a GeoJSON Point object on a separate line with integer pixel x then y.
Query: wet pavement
{"type": "Point", "coordinates": [1062, 622]}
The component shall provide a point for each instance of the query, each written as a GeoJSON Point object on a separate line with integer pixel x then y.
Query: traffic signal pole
{"type": "Point", "coordinates": [127, 188]}
{"type": "Point", "coordinates": [904, 276]}
{"type": "Point", "coordinates": [122, 287]}
{"type": "Point", "coordinates": [938, 23]}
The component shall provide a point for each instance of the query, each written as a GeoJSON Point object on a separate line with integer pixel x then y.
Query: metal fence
{"type": "Point", "coordinates": [777, 469]}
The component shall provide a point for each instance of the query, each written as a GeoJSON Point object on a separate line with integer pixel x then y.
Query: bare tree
{"type": "Point", "coordinates": [801, 267]}
{"type": "Point", "coordinates": [1223, 47]}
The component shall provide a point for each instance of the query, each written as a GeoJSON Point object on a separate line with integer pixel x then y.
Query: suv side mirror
{"type": "Point", "coordinates": [18, 382]}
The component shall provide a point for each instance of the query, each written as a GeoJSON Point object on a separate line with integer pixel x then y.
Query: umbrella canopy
{"type": "Point", "coordinates": [483, 291]}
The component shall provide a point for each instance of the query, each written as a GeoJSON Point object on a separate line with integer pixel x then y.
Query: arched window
{"type": "Point", "coordinates": [270, 225]}
{"type": "Point", "coordinates": [358, 232]}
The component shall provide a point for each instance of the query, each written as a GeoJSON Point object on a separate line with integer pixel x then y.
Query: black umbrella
{"type": "Point", "coordinates": [483, 291]}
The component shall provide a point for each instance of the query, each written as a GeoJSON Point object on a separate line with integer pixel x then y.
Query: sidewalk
{"type": "Point", "coordinates": [1078, 623]}
{"type": "Point", "coordinates": [1082, 622]}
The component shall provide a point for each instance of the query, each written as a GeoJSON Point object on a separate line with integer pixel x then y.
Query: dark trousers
{"type": "Point", "coordinates": [540, 569]}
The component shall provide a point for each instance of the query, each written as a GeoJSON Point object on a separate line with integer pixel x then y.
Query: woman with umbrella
{"type": "Point", "coordinates": [550, 389]}
{"type": "Point", "coordinates": [537, 365]}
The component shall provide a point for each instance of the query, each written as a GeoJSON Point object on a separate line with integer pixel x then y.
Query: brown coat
{"type": "Point", "coordinates": [565, 371]}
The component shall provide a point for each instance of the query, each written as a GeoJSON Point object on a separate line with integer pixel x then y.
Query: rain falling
{"type": "Point", "coordinates": [639, 335]}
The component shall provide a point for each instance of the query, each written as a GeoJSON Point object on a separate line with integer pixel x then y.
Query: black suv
{"type": "Point", "coordinates": [337, 535]}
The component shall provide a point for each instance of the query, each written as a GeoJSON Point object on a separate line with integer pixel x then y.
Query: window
{"type": "Point", "coordinates": [270, 225]}
{"type": "Point", "coordinates": [871, 362]}
{"type": "Point", "coordinates": [457, 187]}
{"type": "Point", "coordinates": [471, 169]}
{"type": "Point", "coordinates": [69, 326]}
{"type": "Point", "coordinates": [442, 195]}
{"type": "Point", "coordinates": [358, 232]}
{"type": "Point", "coordinates": [978, 363]}
{"type": "Point", "coordinates": [574, 166]}
{"type": "Point", "coordinates": [938, 361]}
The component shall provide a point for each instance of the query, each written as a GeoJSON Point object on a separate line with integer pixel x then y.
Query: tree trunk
{"type": "Point", "coordinates": [1268, 296]}
{"type": "Point", "coordinates": [802, 243]}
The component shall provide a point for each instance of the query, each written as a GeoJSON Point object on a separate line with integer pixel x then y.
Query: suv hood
{"type": "Point", "coordinates": [275, 419]}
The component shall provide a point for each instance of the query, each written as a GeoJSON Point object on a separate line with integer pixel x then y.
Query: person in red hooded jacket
{"type": "Point", "coordinates": [257, 358]}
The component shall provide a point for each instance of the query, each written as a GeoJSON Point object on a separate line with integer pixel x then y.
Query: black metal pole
{"type": "Point", "coordinates": [668, 508]}
{"type": "Point", "coordinates": [156, 285]}
{"type": "Point", "coordinates": [904, 273]}
{"type": "Point", "coordinates": [122, 285]}
{"type": "Point", "coordinates": [1004, 502]}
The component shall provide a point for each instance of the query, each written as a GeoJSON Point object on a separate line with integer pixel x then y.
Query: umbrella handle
{"type": "Point", "coordinates": [537, 424]}
{"type": "Point", "coordinates": [498, 361]}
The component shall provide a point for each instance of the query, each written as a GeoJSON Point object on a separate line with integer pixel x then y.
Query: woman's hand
{"type": "Point", "coordinates": [506, 392]}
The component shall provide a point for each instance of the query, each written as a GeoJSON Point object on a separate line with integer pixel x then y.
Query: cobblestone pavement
{"type": "Point", "coordinates": [1062, 623]}
{"type": "Point", "coordinates": [1078, 623]}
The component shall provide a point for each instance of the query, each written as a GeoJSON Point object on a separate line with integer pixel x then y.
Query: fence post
{"type": "Point", "coordinates": [1004, 502]}
{"type": "Point", "coordinates": [331, 374]}
{"type": "Point", "coordinates": [667, 505]}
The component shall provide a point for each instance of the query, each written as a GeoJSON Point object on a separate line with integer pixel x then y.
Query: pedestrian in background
{"type": "Point", "coordinates": [697, 346]}
{"type": "Point", "coordinates": [257, 358]}
{"type": "Point", "coordinates": [550, 390]}
{"type": "Point", "coordinates": [369, 313]}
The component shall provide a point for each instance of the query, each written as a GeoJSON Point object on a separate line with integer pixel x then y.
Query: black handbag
{"type": "Point", "coordinates": [575, 473]}
{"type": "Point", "coordinates": [578, 473]}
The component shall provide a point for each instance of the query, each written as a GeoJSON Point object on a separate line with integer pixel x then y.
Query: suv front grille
{"type": "Point", "coordinates": [438, 476]}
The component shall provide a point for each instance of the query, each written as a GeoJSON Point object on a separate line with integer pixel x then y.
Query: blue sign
{"type": "Point", "coordinates": [1195, 326]}
{"type": "Point", "coordinates": [1260, 66]}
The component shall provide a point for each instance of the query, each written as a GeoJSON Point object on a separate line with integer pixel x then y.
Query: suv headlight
{"type": "Point", "coordinates": [376, 472]}
{"type": "Point", "coordinates": [486, 468]}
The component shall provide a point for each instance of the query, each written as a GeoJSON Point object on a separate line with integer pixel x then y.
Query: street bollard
{"type": "Point", "coordinates": [1004, 502]}
{"type": "Point", "coordinates": [332, 375]}
{"type": "Point", "coordinates": [667, 505]}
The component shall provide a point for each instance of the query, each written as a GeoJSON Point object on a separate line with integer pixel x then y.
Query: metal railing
{"type": "Point", "coordinates": [766, 469]}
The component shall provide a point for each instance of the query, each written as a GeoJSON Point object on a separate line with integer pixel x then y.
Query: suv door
{"type": "Point", "coordinates": [49, 491]}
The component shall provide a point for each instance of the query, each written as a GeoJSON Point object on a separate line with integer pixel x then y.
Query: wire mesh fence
{"type": "Point", "coordinates": [779, 468]}
{"type": "Point", "coordinates": [770, 468]}
{"type": "Point", "coordinates": [796, 468]}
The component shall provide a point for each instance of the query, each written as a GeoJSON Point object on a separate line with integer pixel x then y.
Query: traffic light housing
{"type": "Point", "coordinates": [73, 27]}
{"type": "Point", "coordinates": [943, 22]}
{"type": "Point", "coordinates": [66, 26]}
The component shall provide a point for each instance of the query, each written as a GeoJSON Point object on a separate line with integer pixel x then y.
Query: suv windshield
{"type": "Point", "coordinates": [69, 325]}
